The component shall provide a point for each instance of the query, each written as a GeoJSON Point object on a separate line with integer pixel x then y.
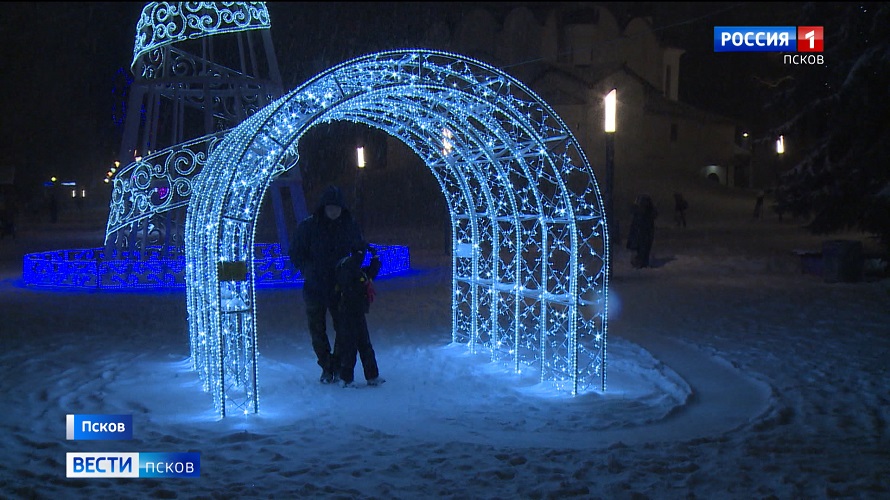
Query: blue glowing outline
{"type": "Point", "coordinates": [158, 268]}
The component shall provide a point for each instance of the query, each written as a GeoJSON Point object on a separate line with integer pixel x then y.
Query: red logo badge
{"type": "Point", "coordinates": [809, 39]}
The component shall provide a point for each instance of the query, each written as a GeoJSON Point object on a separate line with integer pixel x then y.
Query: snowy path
{"type": "Point", "coordinates": [723, 399]}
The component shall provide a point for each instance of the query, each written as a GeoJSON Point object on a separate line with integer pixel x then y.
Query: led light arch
{"type": "Point", "coordinates": [530, 246]}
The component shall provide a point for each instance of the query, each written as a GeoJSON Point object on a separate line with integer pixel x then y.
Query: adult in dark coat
{"type": "Point", "coordinates": [642, 231]}
{"type": "Point", "coordinates": [321, 240]}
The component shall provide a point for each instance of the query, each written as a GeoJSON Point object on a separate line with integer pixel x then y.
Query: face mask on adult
{"type": "Point", "coordinates": [332, 211]}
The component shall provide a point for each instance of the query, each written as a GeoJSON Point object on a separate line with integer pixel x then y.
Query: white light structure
{"type": "Point", "coordinates": [360, 157]}
{"type": "Point", "coordinates": [530, 249]}
{"type": "Point", "coordinates": [780, 145]}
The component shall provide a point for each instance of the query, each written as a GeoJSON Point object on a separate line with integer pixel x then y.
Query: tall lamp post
{"type": "Point", "coordinates": [610, 102]}
{"type": "Point", "coordinates": [360, 166]}
{"type": "Point", "coordinates": [780, 150]}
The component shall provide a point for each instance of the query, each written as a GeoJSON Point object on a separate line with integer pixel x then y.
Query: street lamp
{"type": "Point", "coordinates": [360, 164]}
{"type": "Point", "coordinates": [360, 157]}
{"type": "Point", "coordinates": [780, 150]}
{"type": "Point", "coordinates": [610, 102]}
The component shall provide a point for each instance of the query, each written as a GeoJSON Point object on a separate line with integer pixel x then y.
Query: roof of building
{"type": "Point", "coordinates": [656, 103]}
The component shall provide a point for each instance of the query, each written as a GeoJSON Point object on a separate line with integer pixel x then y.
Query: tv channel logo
{"type": "Point", "coordinates": [810, 38]}
{"type": "Point", "coordinates": [115, 464]}
{"type": "Point", "coordinates": [102, 464]}
{"type": "Point", "coordinates": [98, 427]}
{"type": "Point", "coordinates": [768, 39]}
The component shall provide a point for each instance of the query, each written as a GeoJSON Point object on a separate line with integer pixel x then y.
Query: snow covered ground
{"type": "Point", "coordinates": [731, 375]}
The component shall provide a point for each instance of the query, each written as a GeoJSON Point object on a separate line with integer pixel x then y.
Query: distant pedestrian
{"type": "Point", "coordinates": [680, 206]}
{"type": "Point", "coordinates": [642, 231]}
{"type": "Point", "coordinates": [758, 205]}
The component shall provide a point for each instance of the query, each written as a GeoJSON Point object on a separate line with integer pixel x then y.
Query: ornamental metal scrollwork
{"type": "Point", "coordinates": [134, 194]}
{"type": "Point", "coordinates": [166, 23]}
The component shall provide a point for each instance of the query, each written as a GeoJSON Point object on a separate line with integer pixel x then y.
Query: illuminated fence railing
{"type": "Point", "coordinates": [165, 268]}
{"type": "Point", "coordinates": [156, 184]}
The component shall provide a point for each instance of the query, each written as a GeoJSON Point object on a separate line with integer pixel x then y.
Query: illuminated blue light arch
{"type": "Point", "coordinates": [530, 249]}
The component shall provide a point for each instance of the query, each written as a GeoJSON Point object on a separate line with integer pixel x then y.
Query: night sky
{"type": "Point", "coordinates": [61, 64]}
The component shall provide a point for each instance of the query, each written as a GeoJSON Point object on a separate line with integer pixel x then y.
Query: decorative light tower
{"type": "Point", "coordinates": [200, 68]}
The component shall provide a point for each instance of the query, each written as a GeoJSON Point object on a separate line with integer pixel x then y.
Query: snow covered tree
{"type": "Point", "coordinates": [839, 117]}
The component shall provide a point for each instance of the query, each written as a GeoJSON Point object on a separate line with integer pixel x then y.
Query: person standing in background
{"type": "Point", "coordinates": [680, 206]}
{"type": "Point", "coordinates": [642, 231]}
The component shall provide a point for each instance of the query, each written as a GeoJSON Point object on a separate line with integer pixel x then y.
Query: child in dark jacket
{"type": "Point", "coordinates": [355, 293]}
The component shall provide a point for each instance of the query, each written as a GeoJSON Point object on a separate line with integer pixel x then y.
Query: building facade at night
{"type": "Point", "coordinates": [572, 57]}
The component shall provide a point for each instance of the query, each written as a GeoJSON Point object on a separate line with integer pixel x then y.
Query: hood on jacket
{"type": "Point", "coordinates": [331, 196]}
